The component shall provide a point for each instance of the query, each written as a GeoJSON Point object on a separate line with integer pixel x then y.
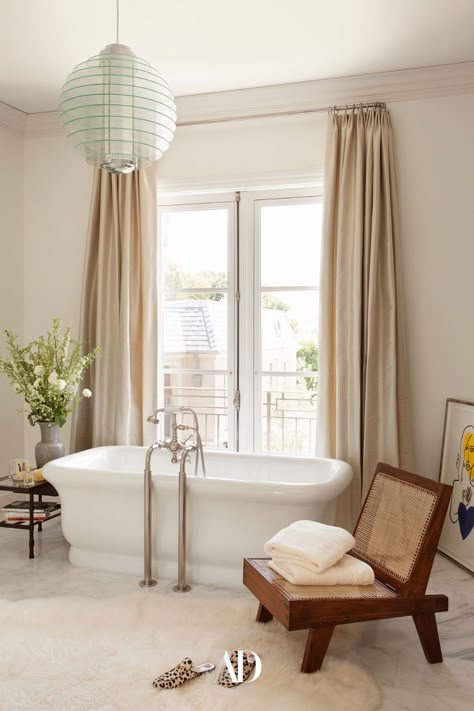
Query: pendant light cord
{"type": "Point", "coordinates": [118, 20]}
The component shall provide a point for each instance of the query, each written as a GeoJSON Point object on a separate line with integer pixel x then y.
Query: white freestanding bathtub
{"type": "Point", "coordinates": [231, 513]}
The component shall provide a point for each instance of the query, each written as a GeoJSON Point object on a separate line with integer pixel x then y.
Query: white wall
{"type": "Point", "coordinates": [11, 284]}
{"type": "Point", "coordinates": [435, 151]}
{"type": "Point", "coordinates": [57, 192]}
{"type": "Point", "coordinates": [247, 148]}
{"type": "Point", "coordinates": [434, 148]}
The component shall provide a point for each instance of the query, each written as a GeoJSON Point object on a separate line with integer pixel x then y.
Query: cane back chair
{"type": "Point", "coordinates": [397, 535]}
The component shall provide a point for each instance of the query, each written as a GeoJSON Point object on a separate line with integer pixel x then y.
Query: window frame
{"type": "Point", "coordinates": [244, 289]}
{"type": "Point", "coordinates": [194, 203]}
{"type": "Point", "coordinates": [250, 420]}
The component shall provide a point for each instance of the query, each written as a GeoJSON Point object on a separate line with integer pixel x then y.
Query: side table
{"type": "Point", "coordinates": [43, 488]}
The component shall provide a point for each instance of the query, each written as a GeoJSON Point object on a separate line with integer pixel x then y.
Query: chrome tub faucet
{"type": "Point", "coordinates": [179, 452]}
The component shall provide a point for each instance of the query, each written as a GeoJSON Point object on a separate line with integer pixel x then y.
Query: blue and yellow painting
{"type": "Point", "coordinates": [461, 510]}
{"type": "Point", "coordinates": [457, 469]}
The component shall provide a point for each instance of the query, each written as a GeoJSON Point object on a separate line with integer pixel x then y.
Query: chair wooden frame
{"type": "Point", "coordinates": [296, 607]}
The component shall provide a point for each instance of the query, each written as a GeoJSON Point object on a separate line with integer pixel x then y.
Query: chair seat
{"type": "Point", "coordinates": [305, 606]}
{"type": "Point", "coordinates": [318, 592]}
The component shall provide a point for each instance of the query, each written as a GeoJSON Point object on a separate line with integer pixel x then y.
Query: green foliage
{"type": "Point", "coordinates": [307, 359]}
{"type": "Point", "coordinates": [47, 372]}
{"type": "Point", "coordinates": [176, 279]}
{"type": "Point", "coordinates": [307, 355]}
{"type": "Point", "coordinates": [271, 302]}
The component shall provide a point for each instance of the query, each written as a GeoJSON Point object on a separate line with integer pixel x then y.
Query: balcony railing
{"type": "Point", "coordinates": [289, 421]}
{"type": "Point", "coordinates": [288, 417]}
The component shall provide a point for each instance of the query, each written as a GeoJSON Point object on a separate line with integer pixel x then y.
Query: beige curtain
{"type": "Point", "coordinates": [363, 407]}
{"type": "Point", "coordinates": [118, 312]}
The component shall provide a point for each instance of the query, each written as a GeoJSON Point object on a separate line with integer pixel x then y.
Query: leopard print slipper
{"type": "Point", "coordinates": [225, 679]}
{"type": "Point", "coordinates": [181, 673]}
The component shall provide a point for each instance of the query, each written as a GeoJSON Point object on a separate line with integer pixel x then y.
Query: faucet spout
{"type": "Point", "coordinates": [153, 418]}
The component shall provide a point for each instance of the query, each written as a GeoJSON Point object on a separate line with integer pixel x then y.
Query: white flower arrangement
{"type": "Point", "coordinates": [47, 372]}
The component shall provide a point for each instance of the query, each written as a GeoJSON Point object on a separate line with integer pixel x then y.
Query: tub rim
{"type": "Point", "coordinates": [330, 488]}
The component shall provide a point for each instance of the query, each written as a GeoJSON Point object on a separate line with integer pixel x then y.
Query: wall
{"type": "Point", "coordinates": [434, 150]}
{"type": "Point", "coordinates": [11, 284]}
{"type": "Point", "coordinates": [57, 192]}
{"type": "Point", "coordinates": [249, 148]}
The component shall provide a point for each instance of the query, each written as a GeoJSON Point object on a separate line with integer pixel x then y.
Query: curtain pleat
{"type": "Point", "coordinates": [363, 404]}
{"type": "Point", "coordinates": [119, 311]}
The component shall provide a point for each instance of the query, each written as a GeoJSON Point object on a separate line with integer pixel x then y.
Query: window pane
{"type": "Point", "coordinates": [207, 395]}
{"type": "Point", "coordinates": [289, 324]}
{"type": "Point", "coordinates": [291, 239]}
{"type": "Point", "coordinates": [194, 245]}
{"type": "Point", "coordinates": [195, 331]}
{"type": "Point", "coordinates": [289, 414]}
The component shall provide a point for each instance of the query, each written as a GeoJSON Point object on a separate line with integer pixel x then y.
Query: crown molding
{"type": "Point", "coordinates": [404, 85]}
{"type": "Point", "coordinates": [12, 119]}
{"type": "Point", "coordinates": [319, 94]}
{"type": "Point", "coordinates": [42, 124]}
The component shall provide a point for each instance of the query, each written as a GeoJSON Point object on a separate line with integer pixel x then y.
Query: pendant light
{"type": "Point", "coordinates": [117, 110]}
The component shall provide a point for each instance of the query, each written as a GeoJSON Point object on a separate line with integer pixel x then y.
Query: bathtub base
{"type": "Point", "coordinates": [218, 575]}
{"type": "Point", "coordinates": [230, 514]}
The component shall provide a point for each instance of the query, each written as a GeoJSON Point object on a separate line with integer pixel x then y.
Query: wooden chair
{"type": "Point", "coordinates": [397, 534]}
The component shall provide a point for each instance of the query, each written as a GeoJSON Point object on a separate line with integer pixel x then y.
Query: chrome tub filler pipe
{"type": "Point", "coordinates": [179, 452]}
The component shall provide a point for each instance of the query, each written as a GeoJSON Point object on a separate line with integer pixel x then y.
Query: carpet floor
{"type": "Point", "coordinates": [85, 654]}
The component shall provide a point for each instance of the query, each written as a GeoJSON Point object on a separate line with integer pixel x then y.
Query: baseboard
{"type": "Point", "coordinates": [6, 497]}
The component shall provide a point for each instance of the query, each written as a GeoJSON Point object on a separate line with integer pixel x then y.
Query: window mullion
{"type": "Point", "coordinates": [246, 315]}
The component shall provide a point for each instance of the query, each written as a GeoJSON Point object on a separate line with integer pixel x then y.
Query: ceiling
{"type": "Point", "coordinates": [204, 46]}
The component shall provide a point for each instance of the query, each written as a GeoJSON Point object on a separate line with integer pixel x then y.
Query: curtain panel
{"type": "Point", "coordinates": [119, 310]}
{"type": "Point", "coordinates": [363, 403]}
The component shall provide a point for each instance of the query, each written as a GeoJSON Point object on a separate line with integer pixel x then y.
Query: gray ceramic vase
{"type": "Point", "coordinates": [50, 447]}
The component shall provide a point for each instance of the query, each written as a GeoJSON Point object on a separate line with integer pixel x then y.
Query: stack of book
{"type": "Point", "coordinates": [19, 511]}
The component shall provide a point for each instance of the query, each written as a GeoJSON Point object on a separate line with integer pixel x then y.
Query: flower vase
{"type": "Point", "coordinates": [50, 447]}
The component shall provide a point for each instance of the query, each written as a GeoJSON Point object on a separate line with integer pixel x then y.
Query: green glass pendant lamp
{"type": "Point", "coordinates": [117, 110]}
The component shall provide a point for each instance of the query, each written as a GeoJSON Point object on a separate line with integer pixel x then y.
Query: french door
{"type": "Point", "coordinates": [238, 316]}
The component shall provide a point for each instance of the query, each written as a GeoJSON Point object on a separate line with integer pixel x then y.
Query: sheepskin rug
{"type": "Point", "coordinates": [88, 654]}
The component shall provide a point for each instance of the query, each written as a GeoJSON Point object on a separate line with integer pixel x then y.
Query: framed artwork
{"type": "Point", "coordinates": [457, 469]}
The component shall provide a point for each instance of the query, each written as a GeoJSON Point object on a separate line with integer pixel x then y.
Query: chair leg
{"type": "Point", "coordinates": [316, 648]}
{"type": "Point", "coordinates": [263, 615]}
{"type": "Point", "coordinates": [425, 623]}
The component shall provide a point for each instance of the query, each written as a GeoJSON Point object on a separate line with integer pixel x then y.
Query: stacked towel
{"type": "Point", "coordinates": [347, 571]}
{"type": "Point", "coordinates": [309, 542]}
{"type": "Point", "coordinates": [311, 553]}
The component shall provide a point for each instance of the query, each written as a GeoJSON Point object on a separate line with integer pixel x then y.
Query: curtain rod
{"type": "Point", "coordinates": [276, 114]}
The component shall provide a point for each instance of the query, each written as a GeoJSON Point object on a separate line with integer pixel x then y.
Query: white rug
{"type": "Point", "coordinates": [83, 654]}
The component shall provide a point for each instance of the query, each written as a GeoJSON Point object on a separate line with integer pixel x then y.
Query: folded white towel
{"type": "Point", "coordinates": [347, 571]}
{"type": "Point", "coordinates": [306, 542]}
